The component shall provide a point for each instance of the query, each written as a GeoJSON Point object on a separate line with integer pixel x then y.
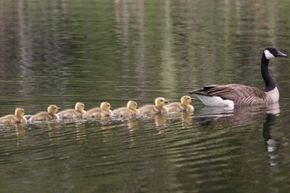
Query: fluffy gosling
{"type": "Point", "coordinates": [183, 106]}
{"type": "Point", "coordinates": [17, 118]}
{"type": "Point", "coordinates": [157, 108]}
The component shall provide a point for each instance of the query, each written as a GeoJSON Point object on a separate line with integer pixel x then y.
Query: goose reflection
{"type": "Point", "coordinates": [237, 116]}
{"type": "Point", "coordinates": [271, 145]}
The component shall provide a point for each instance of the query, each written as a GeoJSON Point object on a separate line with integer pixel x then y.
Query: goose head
{"type": "Point", "coordinates": [160, 102]}
{"type": "Point", "coordinates": [270, 53]}
{"type": "Point", "coordinates": [105, 106]}
{"type": "Point", "coordinates": [80, 107]}
{"type": "Point", "coordinates": [185, 100]}
{"type": "Point", "coordinates": [19, 112]}
{"type": "Point", "coordinates": [132, 105]}
{"type": "Point", "coordinates": [52, 109]}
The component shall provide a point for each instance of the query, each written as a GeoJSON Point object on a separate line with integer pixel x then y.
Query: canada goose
{"type": "Point", "coordinates": [129, 111]}
{"type": "Point", "coordinates": [242, 95]}
{"type": "Point", "coordinates": [17, 118]}
{"type": "Point", "coordinates": [45, 116]}
{"type": "Point", "coordinates": [183, 106]}
{"type": "Point", "coordinates": [99, 112]}
{"type": "Point", "coordinates": [75, 113]}
{"type": "Point", "coordinates": [157, 108]}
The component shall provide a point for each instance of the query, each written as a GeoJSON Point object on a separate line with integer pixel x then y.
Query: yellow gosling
{"type": "Point", "coordinates": [157, 108]}
{"type": "Point", "coordinates": [17, 118]}
{"type": "Point", "coordinates": [104, 111]}
{"type": "Point", "coordinates": [43, 116]}
{"type": "Point", "coordinates": [72, 114]}
{"type": "Point", "coordinates": [183, 106]}
{"type": "Point", "coordinates": [129, 111]}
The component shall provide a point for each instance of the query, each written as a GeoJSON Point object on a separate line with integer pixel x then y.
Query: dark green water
{"type": "Point", "coordinates": [64, 51]}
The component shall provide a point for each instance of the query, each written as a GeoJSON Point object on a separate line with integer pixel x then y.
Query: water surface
{"type": "Point", "coordinates": [60, 52]}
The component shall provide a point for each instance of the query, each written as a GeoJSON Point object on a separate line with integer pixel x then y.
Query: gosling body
{"type": "Point", "coordinates": [43, 116]}
{"type": "Point", "coordinates": [157, 108]}
{"type": "Point", "coordinates": [17, 118]}
{"type": "Point", "coordinates": [130, 111]}
{"type": "Point", "coordinates": [72, 114]}
{"type": "Point", "coordinates": [183, 106]}
{"type": "Point", "coordinates": [104, 111]}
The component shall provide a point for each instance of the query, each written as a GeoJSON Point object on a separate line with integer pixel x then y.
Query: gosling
{"type": "Point", "coordinates": [73, 114]}
{"type": "Point", "coordinates": [183, 106]}
{"type": "Point", "coordinates": [128, 112]}
{"type": "Point", "coordinates": [43, 116]}
{"type": "Point", "coordinates": [104, 111]}
{"type": "Point", "coordinates": [157, 108]}
{"type": "Point", "coordinates": [17, 118]}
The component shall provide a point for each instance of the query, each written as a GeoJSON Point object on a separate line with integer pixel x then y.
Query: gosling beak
{"type": "Point", "coordinates": [58, 108]}
{"type": "Point", "coordinates": [166, 102]}
{"type": "Point", "coordinates": [111, 108]}
{"type": "Point", "coordinates": [281, 54]}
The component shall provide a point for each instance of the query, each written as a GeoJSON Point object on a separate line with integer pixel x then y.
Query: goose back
{"type": "Point", "coordinates": [239, 94]}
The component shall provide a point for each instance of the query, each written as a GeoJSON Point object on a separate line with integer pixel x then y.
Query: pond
{"type": "Point", "coordinates": [64, 51]}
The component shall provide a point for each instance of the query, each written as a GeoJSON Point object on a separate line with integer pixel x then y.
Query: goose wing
{"type": "Point", "coordinates": [236, 92]}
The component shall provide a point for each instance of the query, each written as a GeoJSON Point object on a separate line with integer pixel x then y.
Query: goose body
{"type": "Point", "coordinates": [129, 111]}
{"type": "Point", "coordinates": [17, 118]}
{"type": "Point", "coordinates": [157, 108]}
{"type": "Point", "coordinates": [72, 114]}
{"type": "Point", "coordinates": [104, 111]}
{"type": "Point", "coordinates": [43, 116]}
{"type": "Point", "coordinates": [230, 95]}
{"type": "Point", "coordinates": [183, 106]}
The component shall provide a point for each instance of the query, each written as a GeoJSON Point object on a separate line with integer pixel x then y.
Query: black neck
{"type": "Point", "coordinates": [269, 83]}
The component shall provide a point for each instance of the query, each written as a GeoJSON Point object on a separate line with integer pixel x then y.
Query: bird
{"type": "Point", "coordinates": [72, 114]}
{"type": "Point", "coordinates": [128, 112]}
{"type": "Point", "coordinates": [43, 116]}
{"type": "Point", "coordinates": [17, 118]}
{"type": "Point", "coordinates": [104, 111]}
{"type": "Point", "coordinates": [231, 95]}
{"type": "Point", "coordinates": [157, 108]}
{"type": "Point", "coordinates": [183, 106]}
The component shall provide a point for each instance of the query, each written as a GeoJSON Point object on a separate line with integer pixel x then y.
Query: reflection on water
{"type": "Point", "coordinates": [60, 52]}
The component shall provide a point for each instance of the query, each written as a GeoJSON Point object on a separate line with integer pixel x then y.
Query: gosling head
{"type": "Point", "coordinates": [80, 107]}
{"type": "Point", "coordinates": [270, 53]}
{"type": "Point", "coordinates": [19, 112]}
{"type": "Point", "coordinates": [52, 109]}
{"type": "Point", "coordinates": [132, 105]}
{"type": "Point", "coordinates": [160, 102]}
{"type": "Point", "coordinates": [105, 106]}
{"type": "Point", "coordinates": [185, 100]}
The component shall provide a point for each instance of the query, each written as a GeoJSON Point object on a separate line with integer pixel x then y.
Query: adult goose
{"type": "Point", "coordinates": [241, 95]}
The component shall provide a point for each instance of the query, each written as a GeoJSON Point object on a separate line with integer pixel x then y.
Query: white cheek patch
{"type": "Point", "coordinates": [268, 54]}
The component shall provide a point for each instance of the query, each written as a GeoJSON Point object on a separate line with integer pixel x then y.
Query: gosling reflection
{"type": "Point", "coordinates": [186, 119]}
{"type": "Point", "coordinates": [20, 131]}
{"type": "Point", "coordinates": [160, 121]}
